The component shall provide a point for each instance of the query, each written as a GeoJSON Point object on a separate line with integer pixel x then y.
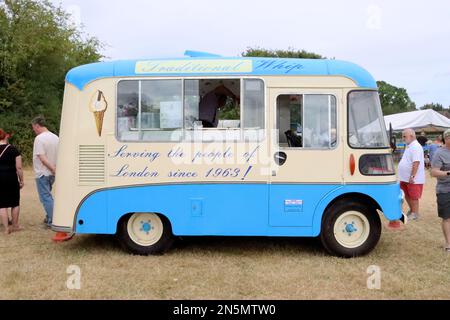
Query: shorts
{"type": "Point", "coordinates": [412, 191]}
{"type": "Point", "coordinates": [443, 203]}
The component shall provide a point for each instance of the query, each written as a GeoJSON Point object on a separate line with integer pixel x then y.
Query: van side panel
{"type": "Point", "coordinates": [227, 209]}
{"type": "Point", "coordinates": [193, 209]}
{"type": "Point", "coordinates": [293, 205]}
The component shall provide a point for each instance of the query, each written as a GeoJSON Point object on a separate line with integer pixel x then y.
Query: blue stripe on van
{"type": "Point", "coordinates": [229, 209]}
{"type": "Point", "coordinates": [82, 75]}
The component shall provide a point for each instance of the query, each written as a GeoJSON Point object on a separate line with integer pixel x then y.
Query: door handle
{"type": "Point", "coordinates": [280, 158]}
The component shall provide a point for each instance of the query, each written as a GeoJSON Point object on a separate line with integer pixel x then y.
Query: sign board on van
{"type": "Point", "coordinates": [194, 66]}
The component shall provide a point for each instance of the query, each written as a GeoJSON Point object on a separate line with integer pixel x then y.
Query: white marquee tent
{"type": "Point", "coordinates": [426, 120]}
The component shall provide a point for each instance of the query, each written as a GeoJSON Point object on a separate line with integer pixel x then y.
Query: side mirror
{"type": "Point", "coordinates": [392, 138]}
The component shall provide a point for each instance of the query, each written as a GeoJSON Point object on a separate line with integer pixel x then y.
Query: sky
{"type": "Point", "coordinates": [406, 43]}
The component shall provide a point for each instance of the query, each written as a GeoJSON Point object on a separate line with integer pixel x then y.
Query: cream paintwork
{"type": "Point", "coordinates": [66, 171]}
{"type": "Point", "coordinates": [78, 128]}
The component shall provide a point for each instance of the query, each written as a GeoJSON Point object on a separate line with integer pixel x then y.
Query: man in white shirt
{"type": "Point", "coordinates": [411, 172]}
{"type": "Point", "coordinates": [44, 164]}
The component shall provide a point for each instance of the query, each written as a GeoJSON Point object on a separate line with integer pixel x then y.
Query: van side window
{"type": "Point", "coordinates": [224, 109]}
{"type": "Point", "coordinates": [319, 128]}
{"type": "Point", "coordinates": [307, 121]}
{"type": "Point", "coordinates": [127, 110]}
{"type": "Point", "coordinates": [212, 109]}
{"type": "Point", "coordinates": [191, 110]}
{"type": "Point", "coordinates": [253, 110]}
{"type": "Point", "coordinates": [161, 110]}
{"type": "Point", "coordinates": [150, 110]}
{"type": "Point", "coordinates": [289, 120]}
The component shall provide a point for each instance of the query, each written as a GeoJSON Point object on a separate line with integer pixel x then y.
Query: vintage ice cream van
{"type": "Point", "coordinates": [211, 146]}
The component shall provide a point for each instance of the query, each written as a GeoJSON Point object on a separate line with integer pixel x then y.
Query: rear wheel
{"type": "Point", "coordinates": [350, 229]}
{"type": "Point", "coordinates": [145, 233]}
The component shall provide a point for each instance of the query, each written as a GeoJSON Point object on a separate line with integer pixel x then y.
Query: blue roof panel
{"type": "Point", "coordinates": [205, 66]}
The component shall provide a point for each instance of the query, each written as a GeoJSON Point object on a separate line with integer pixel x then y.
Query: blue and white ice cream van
{"type": "Point", "coordinates": [299, 149]}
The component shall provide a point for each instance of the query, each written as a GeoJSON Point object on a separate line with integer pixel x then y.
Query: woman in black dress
{"type": "Point", "coordinates": [11, 181]}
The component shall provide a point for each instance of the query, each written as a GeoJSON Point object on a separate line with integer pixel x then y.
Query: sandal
{"type": "Point", "coordinates": [447, 249]}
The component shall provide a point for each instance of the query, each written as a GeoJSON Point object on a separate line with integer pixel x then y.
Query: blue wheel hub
{"type": "Point", "coordinates": [146, 227]}
{"type": "Point", "coordinates": [350, 228]}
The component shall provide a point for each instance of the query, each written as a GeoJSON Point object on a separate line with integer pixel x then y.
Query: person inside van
{"type": "Point", "coordinates": [294, 140]}
{"type": "Point", "coordinates": [211, 103]}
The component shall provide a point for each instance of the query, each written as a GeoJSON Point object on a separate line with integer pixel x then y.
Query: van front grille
{"type": "Point", "coordinates": [91, 164]}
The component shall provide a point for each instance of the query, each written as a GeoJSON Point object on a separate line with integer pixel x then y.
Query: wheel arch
{"type": "Point", "coordinates": [110, 209]}
{"type": "Point", "coordinates": [335, 197]}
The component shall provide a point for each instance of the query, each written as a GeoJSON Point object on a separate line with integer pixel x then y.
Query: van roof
{"type": "Point", "coordinates": [218, 66]}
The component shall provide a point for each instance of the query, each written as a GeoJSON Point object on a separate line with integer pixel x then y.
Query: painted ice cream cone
{"type": "Point", "coordinates": [98, 107]}
{"type": "Point", "coordinates": [99, 115]}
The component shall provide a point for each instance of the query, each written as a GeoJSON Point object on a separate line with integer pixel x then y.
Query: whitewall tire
{"type": "Point", "coordinates": [350, 229]}
{"type": "Point", "coordinates": [145, 233]}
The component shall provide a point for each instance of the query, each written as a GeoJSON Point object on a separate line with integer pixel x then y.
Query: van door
{"type": "Point", "coordinates": [307, 152]}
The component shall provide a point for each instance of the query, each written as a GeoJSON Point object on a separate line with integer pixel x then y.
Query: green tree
{"type": "Point", "coordinates": [435, 106]}
{"type": "Point", "coordinates": [394, 99]}
{"type": "Point", "coordinates": [289, 53]}
{"type": "Point", "coordinates": [38, 45]}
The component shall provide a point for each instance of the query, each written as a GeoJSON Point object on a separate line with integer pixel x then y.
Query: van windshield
{"type": "Point", "coordinates": [366, 122]}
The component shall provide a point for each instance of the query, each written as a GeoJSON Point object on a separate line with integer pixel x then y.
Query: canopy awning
{"type": "Point", "coordinates": [426, 120]}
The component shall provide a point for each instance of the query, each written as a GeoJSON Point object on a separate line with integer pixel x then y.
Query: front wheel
{"type": "Point", "coordinates": [350, 229]}
{"type": "Point", "coordinates": [145, 233]}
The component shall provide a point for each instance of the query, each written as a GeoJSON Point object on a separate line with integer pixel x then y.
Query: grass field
{"type": "Point", "coordinates": [413, 265]}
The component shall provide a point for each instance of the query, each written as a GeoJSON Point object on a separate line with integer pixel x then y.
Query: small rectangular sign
{"type": "Point", "coordinates": [293, 202]}
{"type": "Point", "coordinates": [194, 66]}
{"type": "Point", "coordinates": [293, 205]}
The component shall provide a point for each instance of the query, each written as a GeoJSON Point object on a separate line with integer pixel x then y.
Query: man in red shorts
{"type": "Point", "coordinates": [411, 172]}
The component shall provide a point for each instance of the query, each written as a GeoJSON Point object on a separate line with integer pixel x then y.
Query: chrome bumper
{"type": "Point", "coordinates": [62, 229]}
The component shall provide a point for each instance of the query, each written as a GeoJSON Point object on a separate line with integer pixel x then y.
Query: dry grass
{"type": "Point", "coordinates": [413, 265]}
